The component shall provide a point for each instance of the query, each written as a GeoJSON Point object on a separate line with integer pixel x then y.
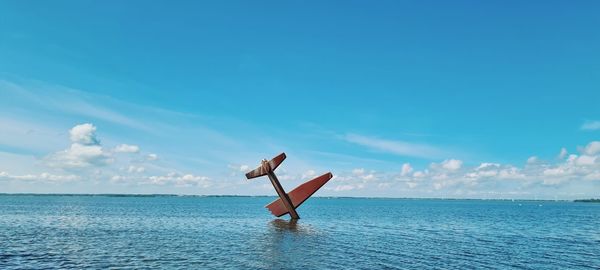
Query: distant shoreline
{"type": "Point", "coordinates": [271, 196]}
{"type": "Point", "coordinates": [588, 200]}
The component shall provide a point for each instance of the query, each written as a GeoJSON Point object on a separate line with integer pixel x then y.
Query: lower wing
{"type": "Point", "coordinates": [299, 194]}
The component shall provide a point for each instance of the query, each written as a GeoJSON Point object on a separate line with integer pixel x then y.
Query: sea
{"type": "Point", "coordinates": [220, 232]}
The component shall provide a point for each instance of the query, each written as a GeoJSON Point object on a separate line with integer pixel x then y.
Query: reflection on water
{"type": "Point", "coordinates": [286, 243]}
{"type": "Point", "coordinates": [283, 225]}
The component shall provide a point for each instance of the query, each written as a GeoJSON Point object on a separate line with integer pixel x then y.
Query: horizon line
{"type": "Point", "coordinates": [257, 196]}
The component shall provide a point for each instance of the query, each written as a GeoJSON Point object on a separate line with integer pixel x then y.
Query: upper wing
{"type": "Point", "coordinates": [273, 163]}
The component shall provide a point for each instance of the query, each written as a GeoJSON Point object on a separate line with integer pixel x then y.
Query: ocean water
{"type": "Point", "coordinates": [334, 233]}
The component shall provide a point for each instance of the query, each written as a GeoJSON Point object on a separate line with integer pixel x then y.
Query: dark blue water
{"type": "Point", "coordinates": [237, 232]}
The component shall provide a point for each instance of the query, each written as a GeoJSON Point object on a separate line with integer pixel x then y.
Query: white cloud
{"type": "Point", "coordinates": [420, 174]}
{"type": "Point", "coordinates": [412, 185]}
{"type": "Point", "coordinates": [585, 160]}
{"type": "Point", "coordinates": [84, 134]}
{"type": "Point", "coordinates": [239, 168]}
{"type": "Point", "coordinates": [363, 174]}
{"type": "Point", "coordinates": [84, 152]}
{"type": "Point", "coordinates": [235, 170]}
{"type": "Point", "coordinates": [356, 179]}
{"type": "Point", "coordinates": [134, 169]}
{"type": "Point", "coordinates": [558, 171]}
{"type": "Point", "coordinates": [591, 125]}
{"type": "Point", "coordinates": [179, 180]}
{"type": "Point", "coordinates": [486, 165]}
{"type": "Point", "coordinates": [369, 177]}
{"type": "Point", "coordinates": [401, 148]}
{"type": "Point", "coordinates": [448, 165]}
{"type": "Point", "coordinates": [511, 173]}
{"type": "Point", "coordinates": [406, 169]}
{"type": "Point", "coordinates": [170, 179]}
{"type": "Point", "coordinates": [44, 177]}
{"type": "Point", "coordinates": [358, 171]}
{"type": "Point", "coordinates": [452, 164]}
{"type": "Point", "coordinates": [80, 156]}
{"type": "Point", "coordinates": [126, 148]}
{"type": "Point", "coordinates": [593, 148]}
{"type": "Point", "coordinates": [339, 188]}
{"type": "Point", "coordinates": [594, 176]}
{"type": "Point", "coordinates": [308, 174]}
{"type": "Point", "coordinates": [494, 171]}
{"type": "Point", "coordinates": [344, 188]}
{"type": "Point", "coordinates": [152, 157]}
{"type": "Point", "coordinates": [533, 160]}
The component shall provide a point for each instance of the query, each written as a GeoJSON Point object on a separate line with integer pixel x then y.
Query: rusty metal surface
{"type": "Point", "coordinates": [283, 197]}
{"type": "Point", "coordinates": [299, 195]}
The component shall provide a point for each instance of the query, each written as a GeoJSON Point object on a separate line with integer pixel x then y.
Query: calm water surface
{"type": "Point", "coordinates": [334, 233]}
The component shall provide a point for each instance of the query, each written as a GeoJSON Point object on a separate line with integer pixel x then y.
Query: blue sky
{"type": "Point", "coordinates": [403, 99]}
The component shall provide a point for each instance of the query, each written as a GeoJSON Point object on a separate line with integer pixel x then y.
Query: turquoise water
{"type": "Point", "coordinates": [334, 233]}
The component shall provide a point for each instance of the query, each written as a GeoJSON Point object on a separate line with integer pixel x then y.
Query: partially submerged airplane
{"type": "Point", "coordinates": [287, 202]}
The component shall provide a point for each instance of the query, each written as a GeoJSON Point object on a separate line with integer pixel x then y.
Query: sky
{"type": "Point", "coordinates": [420, 99]}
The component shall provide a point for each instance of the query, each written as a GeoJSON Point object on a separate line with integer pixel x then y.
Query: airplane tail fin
{"type": "Point", "coordinates": [260, 171]}
{"type": "Point", "coordinates": [299, 194]}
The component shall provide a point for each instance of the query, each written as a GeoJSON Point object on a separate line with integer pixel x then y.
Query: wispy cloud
{"type": "Point", "coordinates": [55, 98]}
{"type": "Point", "coordinates": [401, 148]}
{"type": "Point", "coordinates": [30, 136]}
{"type": "Point", "coordinates": [591, 125]}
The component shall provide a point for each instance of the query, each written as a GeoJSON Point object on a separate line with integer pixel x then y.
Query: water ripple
{"type": "Point", "coordinates": [236, 232]}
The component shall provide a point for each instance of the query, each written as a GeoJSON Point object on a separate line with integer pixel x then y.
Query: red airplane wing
{"type": "Point", "coordinates": [299, 194]}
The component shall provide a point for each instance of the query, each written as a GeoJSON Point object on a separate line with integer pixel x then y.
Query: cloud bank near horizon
{"type": "Point", "coordinates": [86, 159]}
